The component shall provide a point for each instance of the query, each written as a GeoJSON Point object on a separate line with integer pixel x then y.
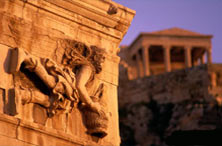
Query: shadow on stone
{"type": "Point", "coordinates": [195, 137]}
{"type": "Point", "coordinates": [10, 104]}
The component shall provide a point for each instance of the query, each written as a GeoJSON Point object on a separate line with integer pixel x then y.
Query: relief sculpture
{"type": "Point", "coordinates": [61, 86]}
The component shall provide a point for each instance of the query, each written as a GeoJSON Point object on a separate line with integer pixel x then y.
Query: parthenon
{"type": "Point", "coordinates": [164, 51]}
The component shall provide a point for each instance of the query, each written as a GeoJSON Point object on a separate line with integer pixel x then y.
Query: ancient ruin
{"type": "Point", "coordinates": [171, 98]}
{"type": "Point", "coordinates": [56, 84]}
{"type": "Point", "coordinates": [164, 51]}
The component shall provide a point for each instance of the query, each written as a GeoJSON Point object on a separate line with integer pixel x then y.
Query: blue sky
{"type": "Point", "coordinates": [202, 16]}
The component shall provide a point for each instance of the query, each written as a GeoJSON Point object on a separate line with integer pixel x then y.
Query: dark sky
{"type": "Point", "coordinates": [202, 16]}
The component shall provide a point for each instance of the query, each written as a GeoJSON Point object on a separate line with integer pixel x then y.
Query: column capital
{"type": "Point", "coordinates": [188, 47]}
{"type": "Point", "coordinates": [146, 46]}
{"type": "Point", "coordinates": [166, 46]}
{"type": "Point", "coordinates": [207, 48]}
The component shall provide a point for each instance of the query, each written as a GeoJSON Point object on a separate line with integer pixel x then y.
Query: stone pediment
{"type": "Point", "coordinates": [175, 31]}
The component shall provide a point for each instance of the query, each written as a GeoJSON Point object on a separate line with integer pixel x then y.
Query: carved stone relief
{"type": "Point", "coordinates": [59, 85]}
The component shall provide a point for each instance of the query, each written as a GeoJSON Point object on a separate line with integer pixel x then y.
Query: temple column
{"type": "Point", "coordinates": [202, 59]}
{"type": "Point", "coordinates": [188, 56]}
{"type": "Point", "coordinates": [167, 58]}
{"type": "Point", "coordinates": [146, 61]}
{"type": "Point", "coordinates": [139, 65]}
{"type": "Point", "coordinates": [209, 56]}
{"type": "Point", "coordinates": [213, 77]}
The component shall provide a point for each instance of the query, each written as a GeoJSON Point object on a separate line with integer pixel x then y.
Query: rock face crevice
{"type": "Point", "coordinates": [184, 100]}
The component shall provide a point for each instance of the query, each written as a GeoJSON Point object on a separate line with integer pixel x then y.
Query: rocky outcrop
{"type": "Point", "coordinates": [154, 109]}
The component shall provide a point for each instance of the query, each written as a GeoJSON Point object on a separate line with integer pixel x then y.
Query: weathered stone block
{"type": "Point", "coordinates": [8, 126]}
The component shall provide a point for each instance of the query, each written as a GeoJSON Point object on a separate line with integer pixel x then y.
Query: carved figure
{"type": "Point", "coordinates": [85, 62]}
{"type": "Point", "coordinates": [60, 81]}
{"type": "Point", "coordinates": [96, 123]}
{"type": "Point", "coordinates": [66, 82]}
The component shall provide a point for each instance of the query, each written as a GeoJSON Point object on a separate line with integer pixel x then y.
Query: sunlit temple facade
{"type": "Point", "coordinates": [165, 51]}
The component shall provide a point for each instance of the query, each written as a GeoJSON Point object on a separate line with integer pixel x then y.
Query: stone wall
{"type": "Point", "coordinates": [39, 27]}
{"type": "Point", "coordinates": [152, 109]}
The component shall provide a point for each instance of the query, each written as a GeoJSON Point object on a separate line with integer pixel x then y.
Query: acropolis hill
{"type": "Point", "coordinates": [169, 89]}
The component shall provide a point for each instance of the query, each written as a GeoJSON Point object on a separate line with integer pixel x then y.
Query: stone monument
{"type": "Point", "coordinates": [153, 53]}
{"type": "Point", "coordinates": [57, 86]}
{"type": "Point", "coordinates": [168, 94]}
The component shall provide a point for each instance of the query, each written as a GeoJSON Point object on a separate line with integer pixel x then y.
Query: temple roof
{"type": "Point", "coordinates": [171, 32]}
{"type": "Point", "coordinates": [175, 31]}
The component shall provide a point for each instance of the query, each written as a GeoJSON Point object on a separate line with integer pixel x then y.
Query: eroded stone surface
{"type": "Point", "coordinates": [34, 38]}
{"type": "Point", "coordinates": [155, 108]}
